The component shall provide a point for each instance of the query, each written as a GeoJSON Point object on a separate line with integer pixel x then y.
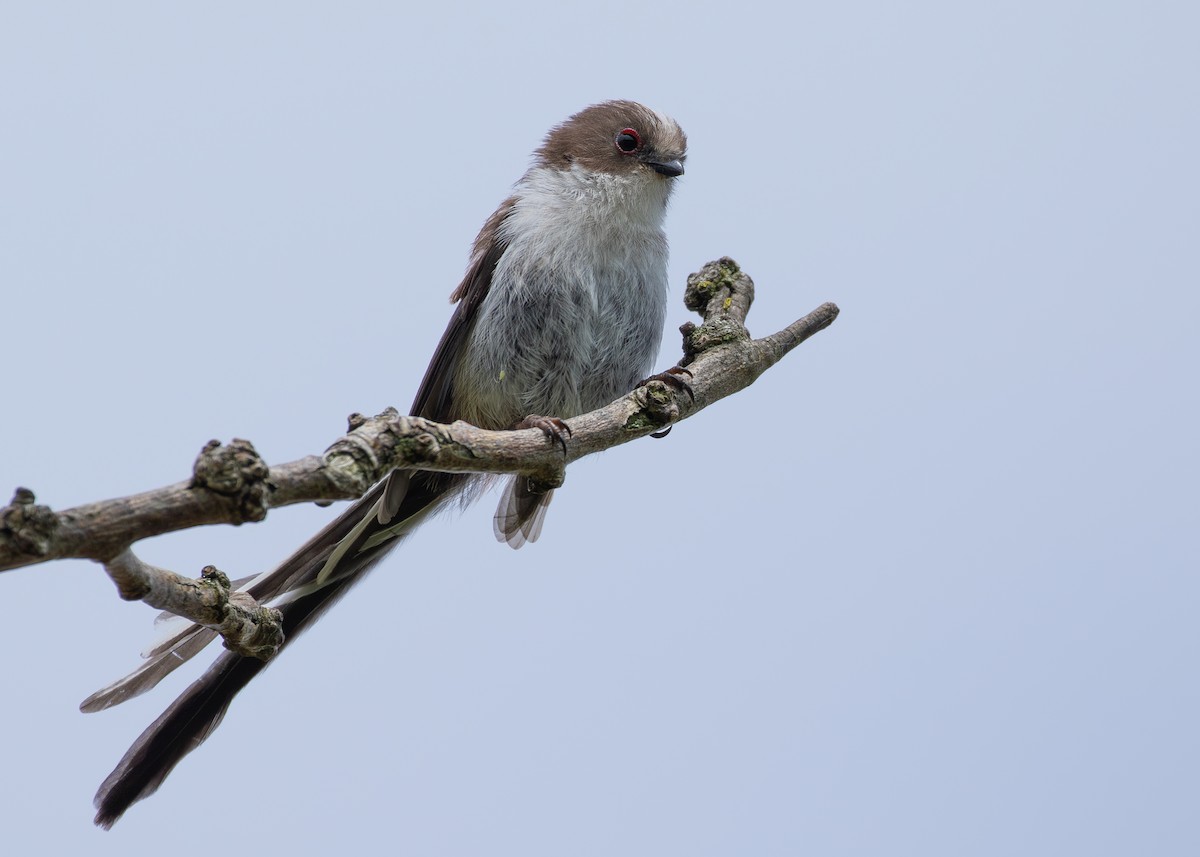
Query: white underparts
{"type": "Point", "coordinates": [575, 311]}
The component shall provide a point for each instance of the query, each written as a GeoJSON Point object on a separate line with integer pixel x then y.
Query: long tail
{"type": "Point", "coordinates": [309, 582]}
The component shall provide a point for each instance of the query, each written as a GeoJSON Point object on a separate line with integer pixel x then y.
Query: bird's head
{"type": "Point", "coordinates": [620, 138]}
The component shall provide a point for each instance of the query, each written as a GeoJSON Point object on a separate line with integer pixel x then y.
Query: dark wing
{"type": "Point", "coordinates": [435, 396]}
{"type": "Point", "coordinates": [519, 518]}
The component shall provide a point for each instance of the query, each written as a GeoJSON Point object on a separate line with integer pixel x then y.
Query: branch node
{"type": "Point", "coordinates": [425, 447]}
{"type": "Point", "coordinates": [236, 471]}
{"type": "Point", "coordinates": [26, 526]}
{"type": "Point", "coordinates": [718, 331]}
{"type": "Point", "coordinates": [357, 460]}
{"type": "Point", "coordinates": [546, 480]}
{"type": "Point", "coordinates": [246, 628]}
{"type": "Point", "coordinates": [722, 293]}
{"type": "Point", "coordinates": [659, 408]}
{"type": "Point", "coordinates": [722, 282]}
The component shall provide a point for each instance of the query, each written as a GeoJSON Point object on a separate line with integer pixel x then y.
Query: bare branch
{"type": "Point", "coordinates": [232, 485]}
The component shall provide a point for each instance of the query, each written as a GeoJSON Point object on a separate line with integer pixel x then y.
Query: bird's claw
{"type": "Point", "coordinates": [672, 378]}
{"type": "Point", "coordinates": [553, 427]}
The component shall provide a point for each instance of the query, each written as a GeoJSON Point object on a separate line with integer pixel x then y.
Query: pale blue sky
{"type": "Point", "coordinates": [928, 588]}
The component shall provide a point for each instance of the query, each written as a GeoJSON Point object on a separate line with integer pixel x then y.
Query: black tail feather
{"type": "Point", "coordinates": [199, 710]}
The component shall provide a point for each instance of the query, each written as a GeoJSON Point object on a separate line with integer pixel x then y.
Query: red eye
{"type": "Point", "coordinates": [628, 141]}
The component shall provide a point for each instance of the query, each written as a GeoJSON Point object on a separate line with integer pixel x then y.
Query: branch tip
{"type": "Point", "coordinates": [27, 527]}
{"type": "Point", "coordinates": [246, 627]}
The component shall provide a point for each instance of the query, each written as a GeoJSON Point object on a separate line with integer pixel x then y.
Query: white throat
{"type": "Point", "coordinates": [586, 202]}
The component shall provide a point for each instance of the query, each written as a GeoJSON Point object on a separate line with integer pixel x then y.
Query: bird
{"type": "Point", "coordinates": [560, 311]}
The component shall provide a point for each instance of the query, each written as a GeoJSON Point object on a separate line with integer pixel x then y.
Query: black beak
{"type": "Point", "coordinates": [671, 168]}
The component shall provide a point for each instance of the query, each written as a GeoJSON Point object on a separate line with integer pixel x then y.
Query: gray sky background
{"type": "Point", "coordinates": [928, 588]}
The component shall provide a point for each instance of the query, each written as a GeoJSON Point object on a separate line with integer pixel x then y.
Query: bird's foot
{"type": "Point", "coordinates": [673, 378]}
{"type": "Point", "coordinates": [556, 430]}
